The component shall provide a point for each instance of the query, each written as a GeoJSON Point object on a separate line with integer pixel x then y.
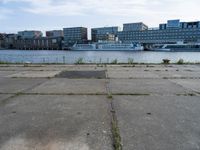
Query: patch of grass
{"type": "Point", "coordinates": [80, 61]}
{"type": "Point", "coordinates": [19, 93]}
{"type": "Point", "coordinates": [109, 96]}
{"type": "Point", "coordinates": [133, 94]}
{"type": "Point", "coordinates": [130, 60]}
{"type": "Point", "coordinates": [180, 62]}
{"type": "Point", "coordinates": [150, 66]}
{"type": "Point", "coordinates": [62, 94]}
{"type": "Point", "coordinates": [100, 65]}
{"type": "Point", "coordinates": [3, 62]}
{"type": "Point", "coordinates": [116, 136]}
{"type": "Point", "coordinates": [186, 94]}
{"type": "Point", "coordinates": [128, 66]}
{"type": "Point", "coordinates": [191, 94]}
{"type": "Point", "coordinates": [115, 61]}
{"type": "Point", "coordinates": [15, 77]}
{"type": "Point", "coordinates": [188, 70]}
{"type": "Point", "coordinates": [26, 65]}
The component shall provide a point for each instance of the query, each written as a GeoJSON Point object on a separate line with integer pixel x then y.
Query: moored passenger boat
{"type": "Point", "coordinates": [108, 47]}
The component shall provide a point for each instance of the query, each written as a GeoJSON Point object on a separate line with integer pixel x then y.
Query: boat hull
{"type": "Point", "coordinates": [107, 49]}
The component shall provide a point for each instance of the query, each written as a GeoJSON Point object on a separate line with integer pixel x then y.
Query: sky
{"type": "Point", "coordinates": [17, 15]}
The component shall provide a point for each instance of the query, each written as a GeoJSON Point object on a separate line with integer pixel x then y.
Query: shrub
{"type": "Point", "coordinates": [109, 96]}
{"type": "Point", "coordinates": [130, 61]}
{"type": "Point", "coordinates": [114, 61]}
{"type": "Point", "coordinates": [3, 62]}
{"type": "Point", "coordinates": [180, 61]}
{"type": "Point", "coordinates": [79, 61]}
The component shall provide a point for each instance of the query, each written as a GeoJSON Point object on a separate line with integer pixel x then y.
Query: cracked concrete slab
{"type": "Point", "coordinates": [55, 123]}
{"type": "Point", "coordinates": [132, 73]}
{"type": "Point", "coordinates": [192, 84]}
{"type": "Point", "coordinates": [15, 85]}
{"type": "Point", "coordinates": [4, 96]}
{"type": "Point", "coordinates": [158, 122]}
{"type": "Point", "coordinates": [34, 74]}
{"type": "Point", "coordinates": [72, 86]}
{"type": "Point", "coordinates": [6, 73]}
{"type": "Point", "coordinates": [146, 86]}
{"type": "Point", "coordinates": [179, 74]}
{"type": "Point", "coordinates": [58, 113]}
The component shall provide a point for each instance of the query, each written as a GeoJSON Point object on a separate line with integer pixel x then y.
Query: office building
{"type": "Point", "coordinates": [75, 35]}
{"type": "Point", "coordinates": [104, 34]}
{"type": "Point", "coordinates": [140, 26]}
{"type": "Point", "coordinates": [171, 32]}
{"type": "Point", "coordinates": [2, 38]}
{"type": "Point", "coordinates": [106, 38]}
{"type": "Point", "coordinates": [54, 33]}
{"type": "Point", "coordinates": [9, 40]}
{"type": "Point", "coordinates": [172, 24]}
{"type": "Point", "coordinates": [42, 43]}
{"type": "Point", "coordinates": [30, 34]}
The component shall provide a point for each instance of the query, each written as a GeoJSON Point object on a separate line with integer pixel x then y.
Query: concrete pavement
{"type": "Point", "coordinates": [153, 107]}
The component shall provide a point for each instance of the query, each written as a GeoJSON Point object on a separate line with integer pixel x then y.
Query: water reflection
{"type": "Point", "coordinates": [69, 57]}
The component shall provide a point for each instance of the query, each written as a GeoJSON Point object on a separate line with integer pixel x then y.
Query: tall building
{"type": "Point", "coordinates": [171, 32]}
{"type": "Point", "coordinates": [104, 33]}
{"type": "Point", "coordinates": [54, 33]}
{"type": "Point", "coordinates": [140, 26]}
{"type": "Point", "coordinates": [9, 40]}
{"type": "Point", "coordinates": [75, 35]}
{"type": "Point", "coordinates": [30, 34]}
{"type": "Point", "coordinates": [2, 36]}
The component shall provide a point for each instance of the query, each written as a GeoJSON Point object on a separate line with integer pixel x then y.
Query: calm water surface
{"type": "Point", "coordinates": [70, 57]}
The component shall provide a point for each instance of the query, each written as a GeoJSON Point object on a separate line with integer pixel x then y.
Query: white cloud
{"type": "Point", "coordinates": [111, 7]}
{"type": "Point", "coordinates": [145, 10]}
{"type": "Point", "coordinates": [4, 12]}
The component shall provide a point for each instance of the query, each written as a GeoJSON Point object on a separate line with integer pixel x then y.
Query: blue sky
{"type": "Point", "coordinates": [44, 15]}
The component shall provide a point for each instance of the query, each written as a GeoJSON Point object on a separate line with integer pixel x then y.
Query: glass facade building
{"type": "Point", "coordinates": [105, 33]}
{"type": "Point", "coordinates": [172, 32]}
{"type": "Point", "coordinates": [30, 34]}
{"type": "Point", "coordinates": [75, 35]}
{"type": "Point", "coordinates": [140, 26]}
{"type": "Point", "coordinates": [54, 33]}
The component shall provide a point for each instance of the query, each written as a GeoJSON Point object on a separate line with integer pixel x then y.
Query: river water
{"type": "Point", "coordinates": [70, 57]}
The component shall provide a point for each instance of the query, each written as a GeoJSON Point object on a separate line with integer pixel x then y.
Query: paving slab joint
{"type": "Point", "coordinates": [116, 137]}
{"type": "Point", "coordinates": [194, 92]}
{"type": "Point", "coordinates": [115, 128]}
{"type": "Point", "coordinates": [18, 93]}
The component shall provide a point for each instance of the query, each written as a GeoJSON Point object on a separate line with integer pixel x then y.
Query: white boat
{"type": "Point", "coordinates": [176, 47]}
{"type": "Point", "coordinates": [83, 47]}
{"type": "Point", "coordinates": [108, 47]}
{"type": "Point", "coordinates": [120, 47]}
